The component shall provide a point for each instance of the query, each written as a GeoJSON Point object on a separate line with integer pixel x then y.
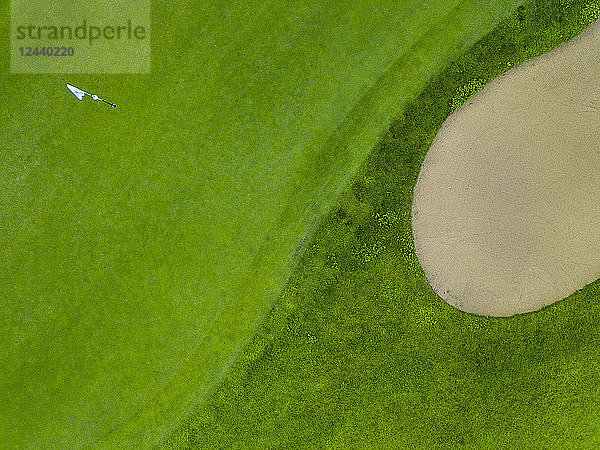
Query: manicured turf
{"type": "Point", "coordinates": [358, 352]}
{"type": "Point", "coordinates": [142, 246]}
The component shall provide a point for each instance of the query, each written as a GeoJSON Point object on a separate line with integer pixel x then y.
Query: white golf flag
{"type": "Point", "coordinates": [77, 92]}
{"type": "Point", "coordinates": [80, 94]}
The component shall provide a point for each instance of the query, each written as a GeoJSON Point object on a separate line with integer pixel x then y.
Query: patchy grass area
{"type": "Point", "coordinates": [358, 352]}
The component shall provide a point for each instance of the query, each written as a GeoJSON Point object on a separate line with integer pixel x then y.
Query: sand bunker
{"type": "Point", "coordinates": [506, 212]}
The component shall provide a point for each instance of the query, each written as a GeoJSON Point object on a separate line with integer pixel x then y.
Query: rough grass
{"type": "Point", "coordinates": [358, 352]}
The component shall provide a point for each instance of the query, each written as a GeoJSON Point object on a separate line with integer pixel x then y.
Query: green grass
{"type": "Point", "coordinates": [358, 351]}
{"type": "Point", "coordinates": [142, 246]}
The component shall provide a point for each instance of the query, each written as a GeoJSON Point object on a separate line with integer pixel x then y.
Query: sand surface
{"type": "Point", "coordinates": [506, 211]}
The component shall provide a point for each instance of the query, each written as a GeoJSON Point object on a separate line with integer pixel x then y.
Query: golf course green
{"type": "Point", "coordinates": [143, 246]}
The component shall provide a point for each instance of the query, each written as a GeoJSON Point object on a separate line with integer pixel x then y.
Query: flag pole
{"type": "Point", "coordinates": [109, 103]}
